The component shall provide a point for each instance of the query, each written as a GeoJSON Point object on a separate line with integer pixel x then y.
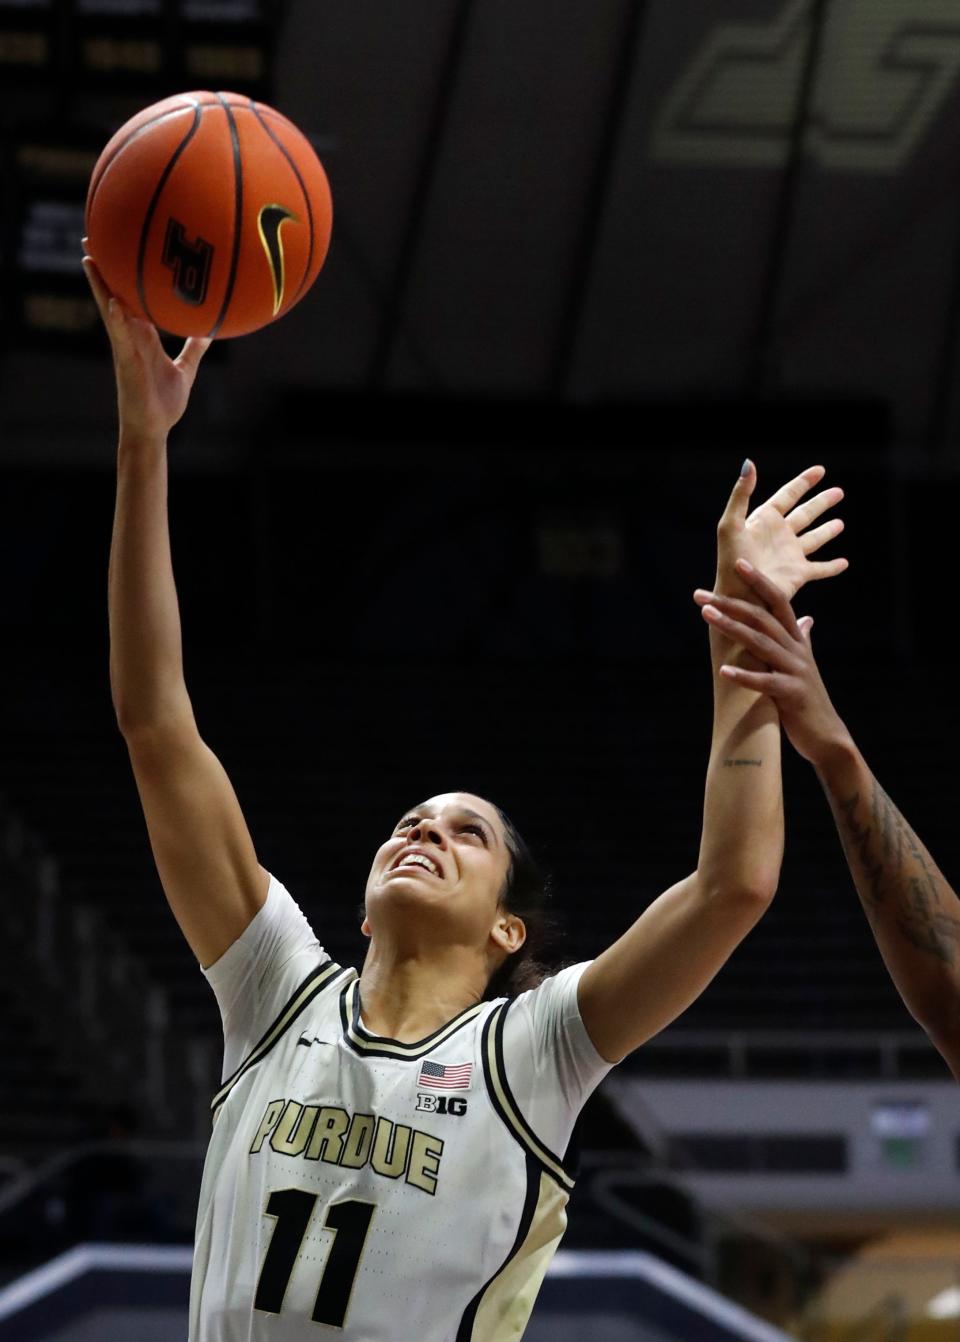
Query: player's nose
{"type": "Point", "coordinates": [427, 831]}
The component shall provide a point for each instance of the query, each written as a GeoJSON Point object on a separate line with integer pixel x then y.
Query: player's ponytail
{"type": "Point", "coordinates": [527, 894]}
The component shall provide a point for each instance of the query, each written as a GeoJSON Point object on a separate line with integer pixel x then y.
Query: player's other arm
{"type": "Point", "coordinates": [670, 954]}
{"type": "Point", "coordinates": [201, 845]}
{"type": "Point", "coordinates": [674, 949]}
{"type": "Point", "coordinates": [912, 910]}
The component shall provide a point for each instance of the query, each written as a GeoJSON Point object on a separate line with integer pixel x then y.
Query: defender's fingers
{"type": "Point", "coordinates": [790, 494]}
{"type": "Point", "coordinates": [808, 512]}
{"type": "Point", "coordinates": [811, 541]}
{"type": "Point", "coordinates": [770, 594]}
{"type": "Point", "coordinates": [747, 612]}
{"type": "Point", "coordinates": [764, 682]}
{"type": "Point", "coordinates": [765, 649]}
{"type": "Point", "coordinates": [193, 351]}
{"type": "Point", "coordinates": [739, 500]}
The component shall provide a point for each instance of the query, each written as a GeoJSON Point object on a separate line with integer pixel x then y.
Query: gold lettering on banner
{"type": "Point", "coordinates": [24, 49]}
{"type": "Point", "coordinates": [49, 312]}
{"type": "Point", "coordinates": [240, 62]}
{"type": "Point", "coordinates": [108, 54]}
{"type": "Point", "coordinates": [56, 161]}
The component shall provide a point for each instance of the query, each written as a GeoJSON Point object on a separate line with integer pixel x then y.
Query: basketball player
{"type": "Point", "coordinates": [388, 1157]}
{"type": "Point", "coordinates": [912, 910]}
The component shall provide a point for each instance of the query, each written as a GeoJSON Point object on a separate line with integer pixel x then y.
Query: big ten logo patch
{"type": "Point", "coordinates": [454, 1105]}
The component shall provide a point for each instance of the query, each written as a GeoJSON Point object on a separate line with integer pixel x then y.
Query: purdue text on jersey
{"type": "Point", "coordinates": [327, 1132]}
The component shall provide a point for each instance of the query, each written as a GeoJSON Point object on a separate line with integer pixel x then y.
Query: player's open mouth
{"type": "Point", "coordinates": [417, 859]}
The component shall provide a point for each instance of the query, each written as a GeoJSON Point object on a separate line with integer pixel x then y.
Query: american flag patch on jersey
{"type": "Point", "coordinates": [443, 1077]}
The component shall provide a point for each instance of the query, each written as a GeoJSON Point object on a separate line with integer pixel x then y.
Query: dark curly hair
{"type": "Point", "coordinates": [526, 894]}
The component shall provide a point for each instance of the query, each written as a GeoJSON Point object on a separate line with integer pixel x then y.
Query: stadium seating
{"type": "Point", "coordinates": [612, 804]}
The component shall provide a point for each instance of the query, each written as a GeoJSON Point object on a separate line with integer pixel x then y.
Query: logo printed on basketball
{"type": "Point", "coordinates": [270, 220]}
{"type": "Point", "coordinates": [190, 262]}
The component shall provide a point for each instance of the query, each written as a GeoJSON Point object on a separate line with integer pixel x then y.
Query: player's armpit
{"type": "Point", "coordinates": [651, 974]}
{"type": "Point", "coordinates": [201, 845]}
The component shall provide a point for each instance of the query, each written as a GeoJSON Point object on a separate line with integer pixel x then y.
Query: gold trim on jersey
{"type": "Point", "coordinates": [506, 1106]}
{"type": "Point", "coordinates": [313, 984]}
{"type": "Point", "coordinates": [504, 1306]}
{"type": "Point", "coordinates": [362, 1041]}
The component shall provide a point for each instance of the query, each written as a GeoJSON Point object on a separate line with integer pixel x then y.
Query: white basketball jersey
{"type": "Point", "coordinates": [374, 1191]}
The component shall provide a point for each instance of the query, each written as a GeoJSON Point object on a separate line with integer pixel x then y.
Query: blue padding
{"type": "Point", "coordinates": [642, 1299]}
{"type": "Point", "coordinates": [94, 1291]}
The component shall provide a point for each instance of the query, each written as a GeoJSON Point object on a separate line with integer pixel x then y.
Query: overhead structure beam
{"type": "Point", "coordinates": [762, 366]}
{"type": "Point", "coordinates": [425, 177]}
{"type": "Point", "coordinates": [597, 195]}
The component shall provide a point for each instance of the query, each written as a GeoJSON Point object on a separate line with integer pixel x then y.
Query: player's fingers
{"type": "Point", "coordinates": [787, 497]}
{"type": "Point", "coordinates": [811, 541]}
{"type": "Point", "coordinates": [765, 648]}
{"type": "Point", "coordinates": [144, 337]}
{"type": "Point", "coordinates": [739, 500]}
{"type": "Point", "coordinates": [808, 512]}
{"type": "Point", "coordinates": [806, 627]}
{"type": "Point", "coordinates": [99, 290]}
{"type": "Point", "coordinates": [115, 316]}
{"type": "Point", "coordinates": [193, 351]}
{"type": "Point", "coordinates": [831, 568]}
{"type": "Point", "coordinates": [122, 330]}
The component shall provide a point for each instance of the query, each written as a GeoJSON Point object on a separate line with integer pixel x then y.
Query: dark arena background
{"type": "Point", "coordinates": [439, 528]}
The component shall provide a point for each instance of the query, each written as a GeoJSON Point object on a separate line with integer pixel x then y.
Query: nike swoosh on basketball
{"type": "Point", "coordinates": [270, 220]}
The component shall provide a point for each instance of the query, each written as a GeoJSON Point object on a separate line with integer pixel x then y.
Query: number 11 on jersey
{"type": "Point", "coordinates": [349, 1221]}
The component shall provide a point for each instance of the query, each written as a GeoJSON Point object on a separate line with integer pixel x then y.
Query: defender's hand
{"type": "Point", "coordinates": [774, 537]}
{"type": "Point", "coordinates": [771, 634]}
{"type": "Point", "coordinates": [152, 389]}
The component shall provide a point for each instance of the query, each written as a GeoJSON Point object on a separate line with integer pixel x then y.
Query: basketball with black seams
{"type": "Point", "coordinates": [209, 214]}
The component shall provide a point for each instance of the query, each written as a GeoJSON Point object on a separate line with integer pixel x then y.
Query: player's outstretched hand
{"type": "Point", "coordinates": [152, 389]}
{"type": "Point", "coordinates": [775, 537]}
{"type": "Point", "coordinates": [767, 628]}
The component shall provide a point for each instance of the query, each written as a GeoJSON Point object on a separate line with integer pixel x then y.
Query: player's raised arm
{"type": "Point", "coordinates": [912, 910]}
{"type": "Point", "coordinates": [201, 845]}
{"type": "Point", "coordinates": [673, 950]}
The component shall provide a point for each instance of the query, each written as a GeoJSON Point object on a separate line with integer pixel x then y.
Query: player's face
{"type": "Point", "coordinates": [448, 856]}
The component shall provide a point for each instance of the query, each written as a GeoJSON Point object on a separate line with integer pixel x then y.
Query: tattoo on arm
{"type": "Point", "coordinates": [891, 866]}
{"type": "Point", "coordinates": [740, 764]}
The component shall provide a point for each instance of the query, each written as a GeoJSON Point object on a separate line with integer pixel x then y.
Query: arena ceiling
{"type": "Point", "coordinates": [629, 200]}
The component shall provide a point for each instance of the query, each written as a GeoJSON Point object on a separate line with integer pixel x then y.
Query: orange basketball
{"type": "Point", "coordinates": [209, 214]}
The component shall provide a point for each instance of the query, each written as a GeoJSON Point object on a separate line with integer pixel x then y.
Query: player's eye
{"type": "Point", "coordinates": [480, 832]}
{"type": "Point", "coordinates": [407, 822]}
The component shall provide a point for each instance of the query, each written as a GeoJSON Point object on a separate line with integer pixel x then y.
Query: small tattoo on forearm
{"type": "Point", "coordinates": [739, 764]}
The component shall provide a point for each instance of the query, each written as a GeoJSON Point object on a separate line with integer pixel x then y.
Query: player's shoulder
{"type": "Point", "coordinates": [555, 991]}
